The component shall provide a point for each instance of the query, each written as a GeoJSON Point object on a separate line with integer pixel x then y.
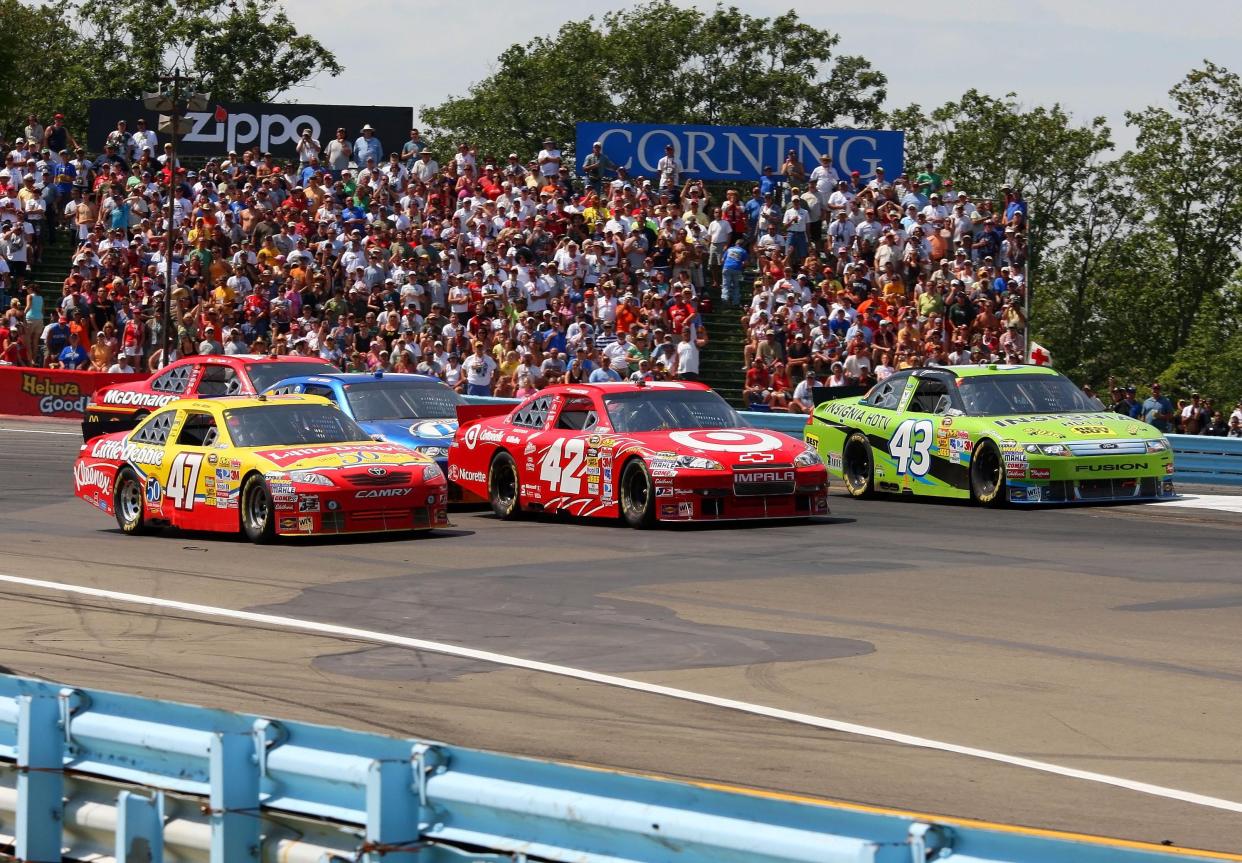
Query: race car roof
{"type": "Point", "coordinates": [361, 378]}
{"type": "Point", "coordinates": [621, 386]}
{"type": "Point", "coordinates": [990, 370]}
{"type": "Point", "coordinates": [216, 405]}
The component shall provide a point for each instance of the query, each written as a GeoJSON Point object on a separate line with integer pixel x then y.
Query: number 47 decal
{"type": "Point", "coordinates": [911, 446]}
{"type": "Point", "coordinates": [183, 479]}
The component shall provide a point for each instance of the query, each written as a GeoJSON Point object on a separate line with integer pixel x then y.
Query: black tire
{"type": "Point", "coordinates": [858, 465]}
{"type": "Point", "coordinates": [503, 491]}
{"type": "Point", "coordinates": [637, 495]}
{"type": "Point", "coordinates": [987, 475]}
{"type": "Point", "coordinates": [258, 521]}
{"type": "Point", "coordinates": [129, 503]}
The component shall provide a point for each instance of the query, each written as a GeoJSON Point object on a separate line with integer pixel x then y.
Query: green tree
{"type": "Point", "coordinates": [65, 55]}
{"type": "Point", "coordinates": [1187, 175]}
{"type": "Point", "coordinates": [983, 143]}
{"type": "Point", "coordinates": [662, 63]}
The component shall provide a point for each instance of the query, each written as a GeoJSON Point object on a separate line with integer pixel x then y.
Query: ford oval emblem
{"type": "Point", "coordinates": [1108, 446]}
{"type": "Point", "coordinates": [377, 471]}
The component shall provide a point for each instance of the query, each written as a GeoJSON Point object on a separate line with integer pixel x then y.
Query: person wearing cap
{"type": "Point", "coordinates": [803, 399]}
{"type": "Point", "coordinates": [368, 146]}
{"type": "Point", "coordinates": [56, 137]}
{"type": "Point", "coordinates": [594, 166]}
{"type": "Point", "coordinates": [549, 160]}
{"type": "Point", "coordinates": [670, 169]}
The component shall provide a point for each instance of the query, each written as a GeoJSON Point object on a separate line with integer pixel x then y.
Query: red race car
{"type": "Point", "coordinates": [645, 452]}
{"type": "Point", "coordinates": [120, 407]}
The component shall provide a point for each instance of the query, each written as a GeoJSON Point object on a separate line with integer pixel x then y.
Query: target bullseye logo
{"type": "Point", "coordinates": [733, 440]}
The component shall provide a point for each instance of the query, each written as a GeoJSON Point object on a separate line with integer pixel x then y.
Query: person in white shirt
{"type": "Point", "coordinates": [670, 169]}
{"type": "Point", "coordinates": [480, 369]}
{"type": "Point", "coordinates": [825, 179]}
{"type": "Point", "coordinates": [549, 159]}
{"type": "Point", "coordinates": [143, 141]}
{"type": "Point", "coordinates": [803, 400]}
{"type": "Point", "coordinates": [122, 366]}
{"type": "Point", "coordinates": [308, 147]}
{"type": "Point", "coordinates": [686, 360]}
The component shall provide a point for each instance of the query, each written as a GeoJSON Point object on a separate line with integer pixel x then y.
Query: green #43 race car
{"type": "Point", "coordinates": [993, 434]}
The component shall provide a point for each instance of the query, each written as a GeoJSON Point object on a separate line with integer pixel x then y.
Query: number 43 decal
{"type": "Point", "coordinates": [911, 446]}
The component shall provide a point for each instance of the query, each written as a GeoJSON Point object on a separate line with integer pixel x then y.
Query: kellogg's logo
{"type": "Point", "coordinates": [55, 397]}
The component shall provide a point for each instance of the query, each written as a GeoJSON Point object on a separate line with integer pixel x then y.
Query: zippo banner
{"type": "Point", "coordinates": [51, 392]}
{"type": "Point", "coordinates": [740, 152]}
{"type": "Point", "coordinates": [264, 127]}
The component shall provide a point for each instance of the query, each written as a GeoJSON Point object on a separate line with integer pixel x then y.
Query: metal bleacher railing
{"type": "Point", "coordinates": [92, 775]}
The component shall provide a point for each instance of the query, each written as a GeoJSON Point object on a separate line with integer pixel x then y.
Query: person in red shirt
{"type": "Point", "coordinates": [758, 382]}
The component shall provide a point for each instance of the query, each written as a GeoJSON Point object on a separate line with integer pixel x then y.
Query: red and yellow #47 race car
{"type": "Point", "coordinates": [668, 451]}
{"type": "Point", "coordinates": [265, 466]}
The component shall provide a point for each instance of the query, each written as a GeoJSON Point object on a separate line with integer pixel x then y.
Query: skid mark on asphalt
{"type": "Point", "coordinates": [349, 632]}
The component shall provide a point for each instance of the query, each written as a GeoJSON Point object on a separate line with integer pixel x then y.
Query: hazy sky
{"type": "Point", "coordinates": [1092, 56]}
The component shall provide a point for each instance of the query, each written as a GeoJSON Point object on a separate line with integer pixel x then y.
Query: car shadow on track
{"type": "Point", "coordinates": [342, 539]}
{"type": "Point", "coordinates": [948, 502]}
{"type": "Point", "coordinates": [756, 524]}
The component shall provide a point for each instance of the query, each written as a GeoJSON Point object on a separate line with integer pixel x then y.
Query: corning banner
{"type": "Point", "coordinates": [52, 392]}
{"type": "Point", "coordinates": [265, 127]}
{"type": "Point", "coordinates": [740, 152]}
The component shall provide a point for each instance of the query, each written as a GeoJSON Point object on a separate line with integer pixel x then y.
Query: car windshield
{"type": "Point", "coordinates": [656, 410]}
{"type": "Point", "coordinates": [280, 425]}
{"type": "Point", "coordinates": [1024, 394]}
{"type": "Point", "coordinates": [402, 400]}
{"type": "Point", "coordinates": [263, 375]}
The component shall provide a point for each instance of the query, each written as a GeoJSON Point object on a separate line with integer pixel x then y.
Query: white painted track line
{"type": "Point", "coordinates": [1222, 502]}
{"type": "Point", "coordinates": [350, 632]}
{"type": "Point", "coordinates": [41, 431]}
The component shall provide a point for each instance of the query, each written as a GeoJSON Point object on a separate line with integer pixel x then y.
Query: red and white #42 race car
{"type": "Point", "coordinates": [668, 451]}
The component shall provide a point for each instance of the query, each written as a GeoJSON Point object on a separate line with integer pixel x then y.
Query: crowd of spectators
{"type": "Point", "coordinates": [502, 275]}
{"type": "Point", "coordinates": [497, 275]}
{"type": "Point", "coordinates": [1197, 415]}
{"type": "Point", "coordinates": [860, 277]}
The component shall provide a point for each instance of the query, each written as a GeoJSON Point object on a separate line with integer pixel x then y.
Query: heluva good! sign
{"type": "Point", "coordinates": [51, 392]}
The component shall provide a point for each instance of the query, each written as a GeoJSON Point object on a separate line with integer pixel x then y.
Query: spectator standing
{"type": "Point", "coordinates": [1157, 410]}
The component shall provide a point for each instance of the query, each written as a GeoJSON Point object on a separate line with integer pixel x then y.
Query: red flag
{"type": "Point", "coordinates": [1039, 355]}
{"type": "Point", "coordinates": [221, 114]}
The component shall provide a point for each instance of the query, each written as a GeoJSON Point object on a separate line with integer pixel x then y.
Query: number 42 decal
{"type": "Point", "coordinates": [563, 477]}
{"type": "Point", "coordinates": [911, 446]}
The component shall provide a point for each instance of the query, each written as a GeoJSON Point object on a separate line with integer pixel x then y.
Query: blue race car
{"type": "Point", "coordinates": [416, 411]}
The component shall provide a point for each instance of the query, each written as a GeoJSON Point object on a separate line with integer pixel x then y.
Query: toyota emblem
{"type": "Point", "coordinates": [377, 471]}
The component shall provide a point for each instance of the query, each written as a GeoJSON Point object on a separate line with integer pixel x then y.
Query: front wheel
{"type": "Point", "coordinates": [987, 475]}
{"type": "Point", "coordinates": [502, 487]}
{"type": "Point", "coordinates": [129, 502]}
{"type": "Point", "coordinates": [257, 521]}
{"type": "Point", "coordinates": [637, 495]}
{"type": "Point", "coordinates": [858, 465]}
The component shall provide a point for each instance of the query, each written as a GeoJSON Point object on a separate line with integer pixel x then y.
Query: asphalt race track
{"type": "Point", "coordinates": [1104, 639]}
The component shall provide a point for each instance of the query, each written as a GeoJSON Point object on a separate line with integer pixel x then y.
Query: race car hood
{"type": "Point", "coordinates": [343, 455]}
{"type": "Point", "coordinates": [1102, 425]}
{"type": "Point", "coordinates": [437, 432]}
{"type": "Point", "coordinates": [730, 447]}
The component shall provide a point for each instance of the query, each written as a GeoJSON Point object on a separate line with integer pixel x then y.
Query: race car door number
{"type": "Point", "coordinates": [911, 446]}
{"type": "Point", "coordinates": [563, 476]}
{"type": "Point", "coordinates": [183, 479]}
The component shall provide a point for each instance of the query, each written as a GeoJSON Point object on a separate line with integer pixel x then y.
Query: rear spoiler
{"type": "Point", "coordinates": [826, 394]}
{"type": "Point", "coordinates": [94, 424]}
{"type": "Point", "coordinates": [467, 414]}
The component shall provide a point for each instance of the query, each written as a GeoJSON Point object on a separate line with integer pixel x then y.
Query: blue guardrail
{"type": "Point", "coordinates": [223, 783]}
